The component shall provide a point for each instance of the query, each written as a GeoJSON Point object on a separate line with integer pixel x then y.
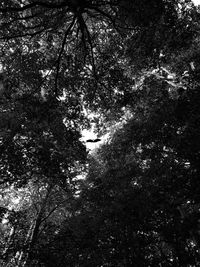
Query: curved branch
{"type": "Point", "coordinates": [7, 38]}
{"type": "Point", "coordinates": [60, 54]}
{"type": "Point", "coordinates": [111, 19]}
{"type": "Point", "coordinates": [83, 27]}
{"type": "Point", "coordinates": [25, 18]}
{"type": "Point", "coordinates": [31, 5]}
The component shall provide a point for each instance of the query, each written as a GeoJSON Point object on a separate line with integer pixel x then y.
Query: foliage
{"type": "Point", "coordinates": [141, 205]}
{"type": "Point", "coordinates": [138, 204]}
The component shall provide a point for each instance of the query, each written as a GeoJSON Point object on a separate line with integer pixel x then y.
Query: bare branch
{"type": "Point", "coordinates": [83, 27]}
{"type": "Point", "coordinates": [55, 208]}
{"type": "Point", "coordinates": [28, 34]}
{"type": "Point", "coordinates": [111, 19]}
{"type": "Point", "coordinates": [60, 54]}
{"type": "Point", "coordinates": [25, 18]}
{"type": "Point", "coordinates": [31, 5]}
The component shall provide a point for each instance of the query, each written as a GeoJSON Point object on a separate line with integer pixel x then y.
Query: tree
{"type": "Point", "coordinates": [63, 59]}
{"type": "Point", "coordinates": [140, 205]}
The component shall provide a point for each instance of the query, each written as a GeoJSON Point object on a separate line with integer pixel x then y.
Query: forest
{"type": "Point", "coordinates": [129, 72]}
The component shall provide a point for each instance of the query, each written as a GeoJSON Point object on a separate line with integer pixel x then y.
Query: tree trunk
{"type": "Point", "coordinates": [32, 236]}
{"type": "Point", "coordinates": [8, 243]}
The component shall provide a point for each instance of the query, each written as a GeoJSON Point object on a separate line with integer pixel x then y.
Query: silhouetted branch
{"type": "Point", "coordinates": [22, 35]}
{"type": "Point", "coordinates": [60, 54]}
{"type": "Point", "coordinates": [31, 5]}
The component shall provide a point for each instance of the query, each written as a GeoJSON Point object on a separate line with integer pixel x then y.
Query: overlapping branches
{"type": "Point", "coordinates": [36, 19]}
{"type": "Point", "coordinates": [61, 52]}
{"type": "Point", "coordinates": [21, 8]}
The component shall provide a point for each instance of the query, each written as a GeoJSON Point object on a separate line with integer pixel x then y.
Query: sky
{"type": "Point", "coordinates": [196, 2]}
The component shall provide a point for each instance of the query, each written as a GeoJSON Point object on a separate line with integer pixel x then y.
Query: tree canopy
{"type": "Point", "coordinates": [123, 67]}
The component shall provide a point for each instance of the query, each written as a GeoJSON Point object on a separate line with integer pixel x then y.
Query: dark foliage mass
{"type": "Point", "coordinates": [125, 68]}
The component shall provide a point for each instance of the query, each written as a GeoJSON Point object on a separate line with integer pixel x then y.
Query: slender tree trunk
{"type": "Point", "coordinates": [19, 257]}
{"type": "Point", "coordinates": [9, 241]}
{"type": "Point", "coordinates": [34, 231]}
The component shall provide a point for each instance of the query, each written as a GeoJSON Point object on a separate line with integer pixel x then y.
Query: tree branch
{"type": "Point", "coordinates": [31, 5]}
{"type": "Point", "coordinates": [22, 35]}
{"type": "Point", "coordinates": [60, 54]}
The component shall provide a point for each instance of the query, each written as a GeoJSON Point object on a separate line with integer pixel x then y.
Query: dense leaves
{"type": "Point", "coordinates": [141, 207]}
{"type": "Point", "coordinates": [130, 68]}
